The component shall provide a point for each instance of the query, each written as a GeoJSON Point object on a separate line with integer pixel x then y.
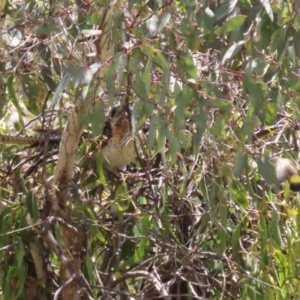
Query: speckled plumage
{"type": "Point", "coordinates": [26, 139]}
{"type": "Point", "coordinates": [119, 149]}
{"type": "Point", "coordinates": [117, 142]}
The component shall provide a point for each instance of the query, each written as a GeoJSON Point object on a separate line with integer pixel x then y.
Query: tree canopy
{"type": "Point", "coordinates": [214, 89]}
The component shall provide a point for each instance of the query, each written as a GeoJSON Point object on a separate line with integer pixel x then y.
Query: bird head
{"type": "Point", "coordinates": [120, 120]}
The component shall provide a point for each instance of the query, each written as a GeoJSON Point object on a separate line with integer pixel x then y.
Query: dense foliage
{"type": "Point", "coordinates": [214, 87]}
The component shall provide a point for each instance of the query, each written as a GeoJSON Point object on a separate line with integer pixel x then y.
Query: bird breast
{"type": "Point", "coordinates": [118, 154]}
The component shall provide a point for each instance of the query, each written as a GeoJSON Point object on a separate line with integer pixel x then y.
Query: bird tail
{"type": "Point", "coordinates": [24, 139]}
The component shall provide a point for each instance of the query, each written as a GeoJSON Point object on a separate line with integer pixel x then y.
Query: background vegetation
{"type": "Point", "coordinates": [215, 86]}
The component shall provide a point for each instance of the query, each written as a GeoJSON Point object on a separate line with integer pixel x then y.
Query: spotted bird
{"type": "Point", "coordinates": [117, 145]}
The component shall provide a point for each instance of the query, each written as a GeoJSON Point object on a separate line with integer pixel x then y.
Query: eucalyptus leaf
{"type": "Point", "coordinates": [232, 51]}
{"type": "Point", "coordinates": [231, 24]}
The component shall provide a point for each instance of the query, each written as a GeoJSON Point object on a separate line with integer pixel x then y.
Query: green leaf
{"type": "Point", "coordinates": [231, 24]}
{"type": "Point", "coordinates": [152, 135]}
{"type": "Point", "coordinates": [219, 126]}
{"type": "Point", "coordinates": [96, 119]}
{"type": "Point", "coordinates": [298, 218]}
{"type": "Point", "coordinates": [140, 88]}
{"type": "Point", "coordinates": [43, 30]}
{"type": "Point", "coordinates": [267, 6]}
{"type": "Point", "coordinates": [155, 55]}
{"type": "Point", "coordinates": [239, 195]}
{"type": "Point", "coordinates": [235, 241]}
{"type": "Point", "coordinates": [185, 139]}
{"type": "Point", "coordinates": [275, 230]}
{"type": "Point", "coordinates": [240, 163]}
{"type": "Point", "coordinates": [137, 252]}
{"type": "Point", "coordinates": [32, 207]}
{"type": "Point", "coordinates": [222, 230]}
{"type": "Point", "coordinates": [120, 69]}
{"type": "Point", "coordinates": [7, 286]}
{"type": "Point", "coordinates": [180, 110]}
{"type": "Point", "coordinates": [95, 232]}
{"type": "Point", "coordinates": [141, 111]}
{"type": "Point", "coordinates": [113, 67]}
{"type": "Point", "coordinates": [30, 89]}
{"type": "Point", "coordinates": [266, 170]}
{"type": "Point", "coordinates": [161, 137]}
{"type": "Point", "coordinates": [128, 250]}
{"type": "Point", "coordinates": [263, 231]}
{"type": "Point", "coordinates": [48, 78]}
{"type": "Point", "coordinates": [173, 141]}
{"type": "Point", "coordinates": [60, 89]}
{"type": "Point", "coordinates": [251, 122]}
{"type": "Point", "coordinates": [89, 266]}
{"type": "Point", "coordinates": [83, 77]}
{"type": "Point", "coordinates": [270, 111]}
{"type": "Point", "coordinates": [21, 281]}
{"type": "Point", "coordinates": [200, 120]}
{"type": "Point", "coordinates": [151, 26]}
{"type": "Point", "coordinates": [225, 9]}
{"type": "Point", "coordinates": [187, 27]}
{"type": "Point", "coordinates": [233, 50]}
{"type": "Point", "coordinates": [260, 66]}
{"type": "Point", "coordinates": [185, 66]}
{"type": "Point", "coordinates": [146, 76]}
{"type": "Point", "coordinates": [164, 21]}
{"type": "Point", "coordinates": [13, 99]}
{"type": "Point", "coordinates": [291, 51]}
{"type": "Point", "coordinates": [205, 20]}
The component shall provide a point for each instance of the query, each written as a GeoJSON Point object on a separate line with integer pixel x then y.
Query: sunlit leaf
{"type": "Point", "coordinates": [239, 195]}
{"type": "Point", "coordinates": [267, 5]}
{"type": "Point", "coordinates": [91, 32]}
{"type": "Point", "coordinates": [122, 61]}
{"type": "Point", "coordinates": [155, 55]}
{"type": "Point", "coordinates": [60, 88]}
{"type": "Point", "coordinates": [231, 24]}
{"type": "Point", "coordinates": [232, 51]}
{"type": "Point", "coordinates": [225, 9]}
{"type": "Point", "coordinates": [163, 22]}
{"type": "Point", "coordinates": [152, 26]}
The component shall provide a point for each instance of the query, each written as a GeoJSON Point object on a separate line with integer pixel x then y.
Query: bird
{"type": "Point", "coordinates": [119, 149]}
{"type": "Point", "coordinates": [117, 142]}
{"type": "Point", "coordinates": [287, 169]}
